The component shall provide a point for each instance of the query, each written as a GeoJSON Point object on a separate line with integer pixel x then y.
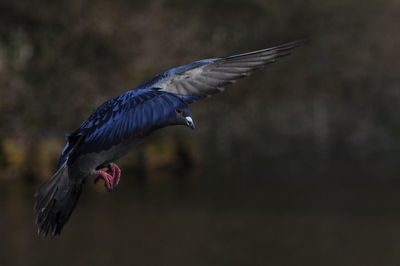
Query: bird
{"type": "Point", "coordinates": [118, 125]}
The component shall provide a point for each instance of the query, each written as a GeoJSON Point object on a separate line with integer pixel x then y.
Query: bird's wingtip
{"type": "Point", "coordinates": [292, 44]}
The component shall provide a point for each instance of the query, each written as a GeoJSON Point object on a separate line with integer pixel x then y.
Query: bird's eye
{"type": "Point", "coordinates": [179, 111]}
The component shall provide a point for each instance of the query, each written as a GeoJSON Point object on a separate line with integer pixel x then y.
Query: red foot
{"type": "Point", "coordinates": [108, 179]}
{"type": "Point", "coordinates": [115, 172]}
{"type": "Point", "coordinates": [111, 177]}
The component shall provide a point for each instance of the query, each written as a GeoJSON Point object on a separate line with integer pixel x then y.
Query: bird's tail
{"type": "Point", "coordinates": [56, 200]}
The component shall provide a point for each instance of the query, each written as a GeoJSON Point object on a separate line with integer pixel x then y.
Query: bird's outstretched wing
{"type": "Point", "coordinates": [207, 77]}
{"type": "Point", "coordinates": [128, 115]}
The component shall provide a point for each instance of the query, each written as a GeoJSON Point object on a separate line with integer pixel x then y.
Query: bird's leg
{"type": "Point", "coordinates": [108, 179]}
{"type": "Point", "coordinates": [115, 172]}
{"type": "Point", "coordinates": [111, 177]}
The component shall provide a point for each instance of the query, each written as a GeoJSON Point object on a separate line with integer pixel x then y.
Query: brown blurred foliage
{"type": "Point", "coordinates": [336, 95]}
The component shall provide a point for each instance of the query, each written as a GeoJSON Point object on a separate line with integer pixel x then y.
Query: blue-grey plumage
{"type": "Point", "coordinates": [122, 122]}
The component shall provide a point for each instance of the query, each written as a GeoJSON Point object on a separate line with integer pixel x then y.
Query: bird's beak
{"type": "Point", "coordinates": [189, 122]}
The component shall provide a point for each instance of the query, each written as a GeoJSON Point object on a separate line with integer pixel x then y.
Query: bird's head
{"type": "Point", "coordinates": [180, 115]}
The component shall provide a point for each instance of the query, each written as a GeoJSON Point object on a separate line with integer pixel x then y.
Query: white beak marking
{"type": "Point", "coordinates": [189, 122]}
{"type": "Point", "coordinates": [189, 119]}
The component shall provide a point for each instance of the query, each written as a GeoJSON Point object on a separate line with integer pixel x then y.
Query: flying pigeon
{"type": "Point", "coordinates": [119, 124]}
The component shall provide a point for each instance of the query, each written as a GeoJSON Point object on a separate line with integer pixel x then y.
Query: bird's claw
{"type": "Point", "coordinates": [115, 172]}
{"type": "Point", "coordinates": [108, 179]}
{"type": "Point", "coordinates": [111, 177]}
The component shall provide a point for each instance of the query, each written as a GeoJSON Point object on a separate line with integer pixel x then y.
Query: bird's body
{"type": "Point", "coordinates": [134, 115]}
{"type": "Point", "coordinates": [119, 124]}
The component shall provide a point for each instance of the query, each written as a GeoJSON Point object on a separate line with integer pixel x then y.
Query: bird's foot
{"type": "Point", "coordinates": [108, 179]}
{"type": "Point", "coordinates": [111, 177]}
{"type": "Point", "coordinates": [115, 172]}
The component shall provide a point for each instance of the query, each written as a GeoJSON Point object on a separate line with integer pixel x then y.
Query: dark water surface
{"type": "Point", "coordinates": [293, 214]}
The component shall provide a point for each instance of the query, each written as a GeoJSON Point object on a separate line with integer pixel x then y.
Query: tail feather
{"type": "Point", "coordinates": [56, 200]}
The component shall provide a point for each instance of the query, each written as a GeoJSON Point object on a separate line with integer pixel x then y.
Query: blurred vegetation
{"type": "Point", "coordinates": [335, 96]}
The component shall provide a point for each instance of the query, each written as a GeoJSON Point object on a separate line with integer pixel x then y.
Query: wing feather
{"type": "Point", "coordinates": [207, 77]}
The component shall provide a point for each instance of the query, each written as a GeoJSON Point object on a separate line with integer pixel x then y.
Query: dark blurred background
{"type": "Point", "coordinates": [296, 165]}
